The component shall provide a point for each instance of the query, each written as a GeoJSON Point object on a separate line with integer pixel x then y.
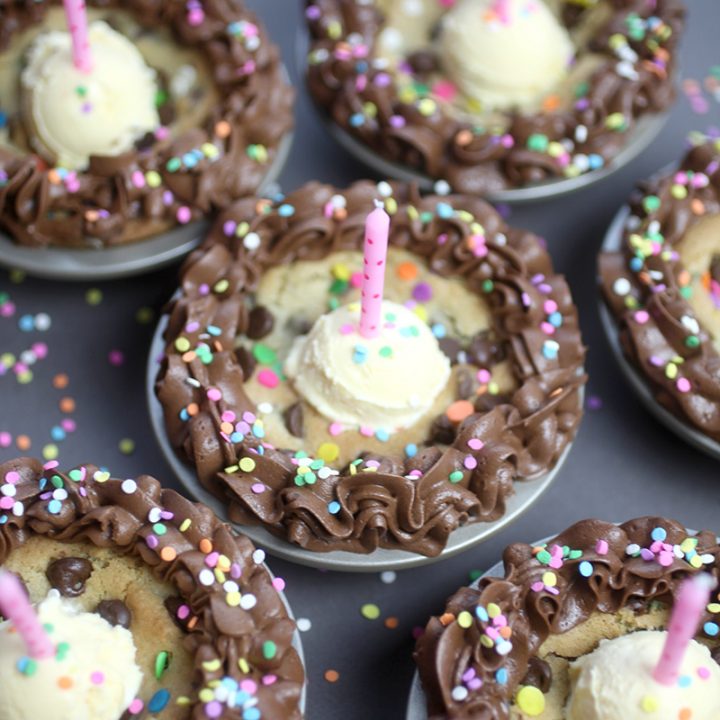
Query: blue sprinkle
{"type": "Point", "coordinates": [586, 568]}
{"type": "Point", "coordinates": [258, 430]}
{"type": "Point", "coordinates": [382, 435]}
{"type": "Point", "coordinates": [357, 120]}
{"type": "Point", "coordinates": [236, 437]}
{"type": "Point", "coordinates": [261, 450]}
{"type": "Point", "coordinates": [251, 714]}
{"type": "Point", "coordinates": [444, 210]}
{"type": "Point", "coordinates": [439, 330]}
{"type": "Point", "coordinates": [184, 415]}
{"type": "Point", "coordinates": [3, 119]}
{"type": "Point", "coordinates": [286, 210]}
{"type": "Point", "coordinates": [26, 323]}
{"type": "Point", "coordinates": [54, 507]}
{"type": "Point", "coordinates": [481, 613]}
{"type": "Point", "coordinates": [659, 534]}
{"type": "Point", "coordinates": [57, 433]}
{"type": "Point", "coordinates": [3, 519]}
{"type": "Point", "coordinates": [214, 330]}
{"type": "Point", "coordinates": [711, 629]}
{"type": "Point", "coordinates": [334, 507]}
{"type": "Point", "coordinates": [197, 154]}
{"type": "Point", "coordinates": [43, 483]}
{"type": "Point", "coordinates": [22, 663]}
{"type": "Point", "coordinates": [359, 358]}
{"type": "Point", "coordinates": [242, 698]}
{"type": "Point", "coordinates": [555, 319]}
{"type": "Point", "coordinates": [636, 264]}
{"type": "Point", "coordinates": [229, 683]}
{"type": "Point", "coordinates": [550, 349]}
{"type": "Point", "coordinates": [158, 701]}
{"type": "Point", "coordinates": [684, 681]}
{"type": "Point", "coordinates": [411, 450]}
{"type": "Point", "coordinates": [501, 676]}
{"type": "Point", "coordinates": [361, 67]}
{"type": "Point", "coordinates": [189, 160]}
{"type": "Point", "coordinates": [595, 161]}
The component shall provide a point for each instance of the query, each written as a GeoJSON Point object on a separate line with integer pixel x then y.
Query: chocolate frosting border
{"type": "Point", "coordinates": [140, 193]}
{"type": "Point", "coordinates": [645, 286]}
{"type": "Point", "coordinates": [124, 515]}
{"type": "Point", "coordinates": [521, 438]}
{"type": "Point", "coordinates": [636, 78]}
{"type": "Point", "coordinates": [619, 577]}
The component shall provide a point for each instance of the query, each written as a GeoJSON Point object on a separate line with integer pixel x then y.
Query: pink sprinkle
{"type": "Point", "coordinates": [183, 612]}
{"type": "Point", "coordinates": [211, 559]}
{"type": "Point", "coordinates": [50, 465]}
{"type": "Point", "coordinates": [249, 686]}
{"type": "Point", "coordinates": [5, 439]}
{"type": "Point", "coordinates": [366, 431]}
{"type": "Point", "coordinates": [116, 357]}
{"type": "Point", "coordinates": [555, 563]}
{"type": "Point", "coordinates": [347, 329]}
{"type": "Point", "coordinates": [162, 133]}
{"type": "Point", "coordinates": [537, 586]}
{"type": "Point", "coordinates": [550, 306]}
{"type": "Point", "coordinates": [445, 90]}
{"type": "Point", "coordinates": [68, 425]}
{"type": "Point", "coordinates": [12, 477]}
{"type": "Point", "coordinates": [196, 17]}
{"type": "Point", "coordinates": [228, 416]}
{"type": "Point", "coordinates": [683, 385]}
{"type": "Point", "coordinates": [97, 678]}
{"type": "Point", "coordinates": [258, 488]}
{"type": "Point", "coordinates": [335, 429]}
{"type": "Point", "coordinates": [703, 673]}
{"type": "Point", "coordinates": [214, 394]}
{"type": "Point", "coordinates": [470, 462]}
{"type": "Point", "coordinates": [547, 328]}
{"type": "Point", "coordinates": [641, 317]}
{"type": "Point", "coordinates": [278, 583]}
{"type": "Point", "coordinates": [269, 679]}
{"type": "Point", "coordinates": [136, 706]}
{"type": "Point", "coordinates": [138, 179]}
{"type": "Point", "coordinates": [601, 547]}
{"type": "Point", "coordinates": [40, 349]}
{"type": "Point", "coordinates": [6, 503]}
{"type": "Point", "coordinates": [268, 378]}
{"type": "Point", "coordinates": [356, 279]}
{"type": "Point", "coordinates": [666, 559]}
{"type": "Point", "coordinates": [475, 444]}
{"type": "Point", "coordinates": [184, 215]}
{"type": "Point", "coordinates": [249, 417]}
{"type": "Point", "coordinates": [483, 377]}
{"type": "Point", "coordinates": [442, 238]}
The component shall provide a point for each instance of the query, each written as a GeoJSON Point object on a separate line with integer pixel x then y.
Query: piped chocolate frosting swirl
{"type": "Point", "coordinates": [411, 503]}
{"type": "Point", "coordinates": [637, 45]}
{"type": "Point", "coordinates": [168, 180]}
{"type": "Point", "coordinates": [594, 567]}
{"type": "Point", "coordinates": [174, 537]}
{"type": "Point", "coordinates": [650, 291]}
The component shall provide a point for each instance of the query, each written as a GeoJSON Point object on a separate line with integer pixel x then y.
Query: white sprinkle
{"type": "Point", "coordinates": [251, 241]}
{"type": "Point", "coordinates": [388, 577]}
{"type": "Point", "coordinates": [248, 602]}
{"type": "Point", "coordinates": [303, 624]}
{"type": "Point", "coordinates": [581, 162]}
{"type": "Point", "coordinates": [258, 556]}
{"type": "Point", "coordinates": [325, 472]}
{"type": "Point", "coordinates": [183, 80]}
{"type": "Point", "coordinates": [459, 693]}
{"type": "Point", "coordinates": [384, 189]}
{"type": "Point", "coordinates": [442, 187]}
{"type": "Point", "coordinates": [206, 577]}
{"type": "Point", "coordinates": [690, 323]}
{"type": "Point", "coordinates": [18, 509]}
{"type": "Point", "coordinates": [28, 357]}
{"type": "Point", "coordinates": [42, 322]}
{"type": "Point", "coordinates": [265, 408]}
{"type": "Point", "coordinates": [154, 515]}
{"type": "Point", "coordinates": [60, 494]}
{"type": "Point", "coordinates": [231, 586]}
{"type": "Point", "coordinates": [8, 490]}
{"type": "Point", "coordinates": [128, 486]}
{"type": "Point", "coordinates": [581, 133]}
{"type": "Point", "coordinates": [503, 648]}
{"type": "Point", "coordinates": [621, 286]}
{"type": "Point", "coordinates": [500, 239]}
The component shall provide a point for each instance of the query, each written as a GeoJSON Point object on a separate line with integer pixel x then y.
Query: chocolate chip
{"type": "Point", "coordinates": [260, 323]}
{"type": "Point", "coordinates": [146, 141]}
{"type": "Point", "coordinates": [442, 430]}
{"type": "Point", "coordinates": [116, 612]}
{"type": "Point", "coordinates": [69, 575]}
{"type": "Point", "coordinates": [484, 351]}
{"type": "Point", "coordinates": [539, 675]}
{"type": "Point", "coordinates": [423, 62]}
{"type": "Point", "coordinates": [465, 384]}
{"type": "Point", "coordinates": [294, 418]}
{"type": "Point", "coordinates": [451, 347]}
{"type": "Point", "coordinates": [247, 362]}
{"type": "Point", "coordinates": [715, 268]}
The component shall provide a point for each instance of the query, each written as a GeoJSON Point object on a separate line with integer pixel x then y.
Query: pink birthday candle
{"type": "Point", "coordinates": [76, 16]}
{"type": "Point", "coordinates": [690, 604]}
{"type": "Point", "coordinates": [15, 606]}
{"type": "Point", "coordinates": [377, 230]}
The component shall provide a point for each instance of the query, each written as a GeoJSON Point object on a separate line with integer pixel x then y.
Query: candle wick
{"type": "Point", "coordinates": [379, 204]}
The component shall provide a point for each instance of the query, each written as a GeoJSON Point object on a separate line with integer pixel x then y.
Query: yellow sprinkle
{"type": "Point", "coordinates": [341, 271]}
{"type": "Point", "coordinates": [493, 610]}
{"type": "Point", "coordinates": [220, 575]}
{"type": "Point", "coordinates": [153, 179]}
{"type": "Point", "coordinates": [224, 563]}
{"type": "Point", "coordinates": [212, 665]}
{"type": "Point", "coordinates": [549, 579]}
{"type": "Point", "coordinates": [649, 704]}
{"type": "Point", "coordinates": [391, 206]}
{"type": "Point", "coordinates": [421, 313]}
{"type": "Point", "coordinates": [185, 525]}
{"type": "Point", "coordinates": [244, 666]}
{"type": "Point", "coordinates": [555, 149]}
{"type": "Point", "coordinates": [329, 452]}
{"type": "Point", "coordinates": [696, 561]}
{"type": "Point", "coordinates": [247, 464]}
{"type": "Point", "coordinates": [242, 229]}
{"type": "Point", "coordinates": [183, 700]}
{"type": "Point", "coordinates": [530, 701]}
{"type": "Point", "coordinates": [464, 619]}
{"type": "Point", "coordinates": [486, 641]}
{"type": "Point", "coordinates": [182, 344]}
{"type": "Point", "coordinates": [206, 695]}
{"type": "Point", "coordinates": [714, 608]}
{"type": "Point", "coordinates": [233, 598]}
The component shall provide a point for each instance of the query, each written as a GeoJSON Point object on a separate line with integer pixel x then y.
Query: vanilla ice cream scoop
{"type": "Point", "coordinates": [615, 682]}
{"type": "Point", "coordinates": [504, 62]}
{"type": "Point", "coordinates": [75, 115]}
{"type": "Point", "coordinates": [93, 675]}
{"type": "Point", "coordinates": [388, 382]}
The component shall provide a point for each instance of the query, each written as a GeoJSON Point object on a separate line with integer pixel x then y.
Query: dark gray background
{"type": "Point", "coordinates": [623, 464]}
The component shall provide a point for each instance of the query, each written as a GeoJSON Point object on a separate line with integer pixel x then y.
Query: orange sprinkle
{"type": "Point", "coordinates": [192, 622]}
{"type": "Point", "coordinates": [189, 356]}
{"type": "Point", "coordinates": [459, 410]}
{"type": "Point", "coordinates": [223, 129]}
{"type": "Point", "coordinates": [168, 553]}
{"type": "Point", "coordinates": [684, 277]}
{"type": "Point", "coordinates": [391, 623]}
{"type": "Point", "coordinates": [340, 213]}
{"type": "Point", "coordinates": [697, 206]}
{"type": "Point", "coordinates": [67, 405]}
{"type": "Point", "coordinates": [705, 280]}
{"type": "Point", "coordinates": [61, 381]}
{"type": "Point", "coordinates": [685, 714]}
{"type": "Point", "coordinates": [205, 546]}
{"type": "Point", "coordinates": [23, 442]}
{"type": "Point", "coordinates": [262, 206]}
{"type": "Point", "coordinates": [54, 177]}
{"type": "Point", "coordinates": [447, 619]}
{"type": "Point", "coordinates": [556, 392]}
{"type": "Point", "coordinates": [551, 103]}
{"type": "Point", "coordinates": [407, 271]}
{"type": "Point", "coordinates": [193, 409]}
{"type": "Point", "coordinates": [64, 682]}
{"type": "Point", "coordinates": [226, 427]}
{"type": "Point", "coordinates": [463, 138]}
{"type": "Point", "coordinates": [332, 676]}
{"type": "Point", "coordinates": [506, 632]}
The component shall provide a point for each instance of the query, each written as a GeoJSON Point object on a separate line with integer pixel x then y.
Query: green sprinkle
{"type": "Point", "coordinates": [264, 354]}
{"type": "Point", "coordinates": [173, 164]}
{"type": "Point", "coordinates": [159, 528]}
{"type": "Point", "coordinates": [692, 341]}
{"type": "Point", "coordinates": [127, 446]}
{"type": "Point", "coordinates": [162, 663]}
{"type": "Point", "coordinates": [161, 97]}
{"type": "Point", "coordinates": [269, 649]}
{"type": "Point", "coordinates": [370, 611]}
{"type": "Point", "coordinates": [339, 287]}
{"type": "Point", "coordinates": [651, 203]}
{"type": "Point", "coordinates": [488, 286]}
{"type": "Point", "coordinates": [62, 650]}
{"type": "Point", "coordinates": [538, 142]}
{"type": "Point", "coordinates": [57, 481]}
{"type": "Point", "coordinates": [455, 476]}
{"type": "Point", "coordinates": [386, 351]}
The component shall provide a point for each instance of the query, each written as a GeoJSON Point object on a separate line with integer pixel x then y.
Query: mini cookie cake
{"type": "Point", "coordinates": [493, 94]}
{"type": "Point", "coordinates": [339, 442]}
{"type": "Point", "coordinates": [181, 112]}
{"type": "Point", "coordinates": [194, 623]}
{"type": "Point", "coordinates": [663, 287]}
{"type": "Point", "coordinates": [573, 630]}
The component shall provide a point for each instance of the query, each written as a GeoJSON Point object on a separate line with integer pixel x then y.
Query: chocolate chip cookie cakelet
{"type": "Point", "coordinates": [660, 279]}
{"type": "Point", "coordinates": [602, 622]}
{"type": "Point", "coordinates": [493, 95]}
{"type": "Point", "coordinates": [124, 120]}
{"type": "Point", "coordinates": [120, 600]}
{"type": "Point", "coordinates": [354, 378]}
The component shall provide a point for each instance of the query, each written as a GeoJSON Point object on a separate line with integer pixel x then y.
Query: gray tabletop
{"type": "Point", "coordinates": [624, 462]}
